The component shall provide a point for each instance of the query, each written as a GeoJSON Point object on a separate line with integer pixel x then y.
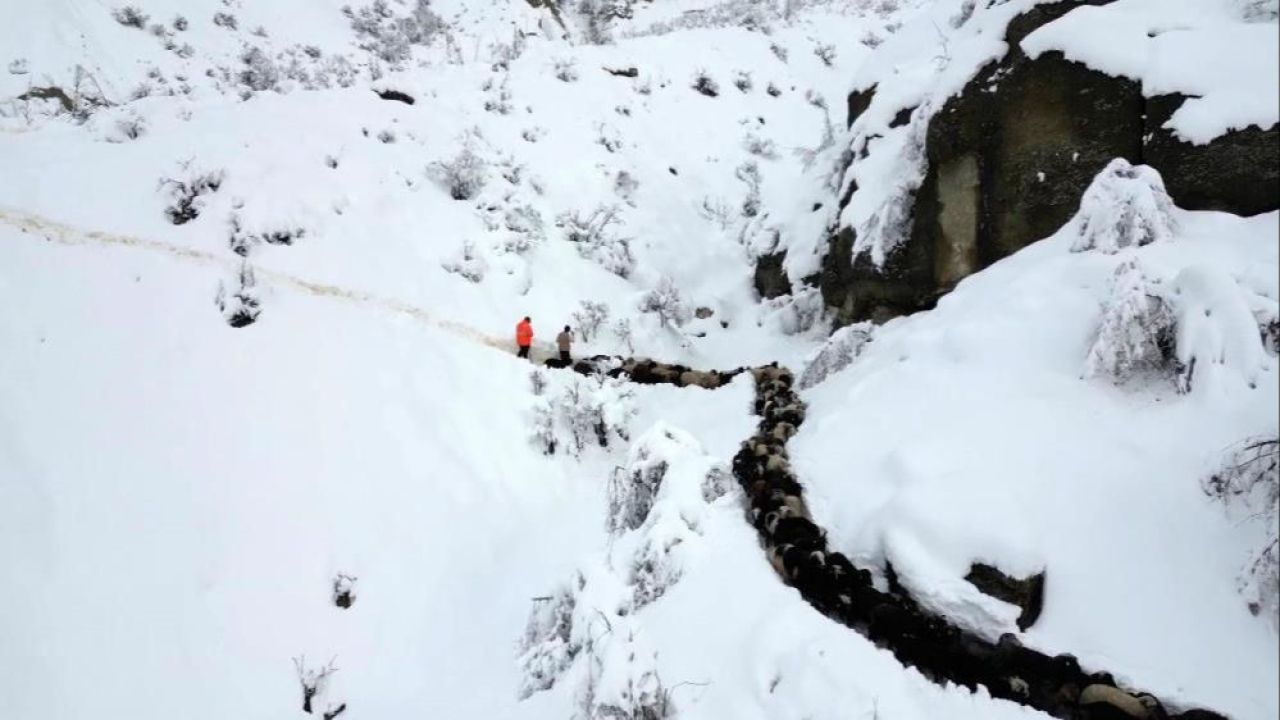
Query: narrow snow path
{"type": "Point", "coordinates": [63, 234]}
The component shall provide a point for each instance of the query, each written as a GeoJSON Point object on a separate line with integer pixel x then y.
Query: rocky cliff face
{"type": "Point", "coordinates": [1008, 159]}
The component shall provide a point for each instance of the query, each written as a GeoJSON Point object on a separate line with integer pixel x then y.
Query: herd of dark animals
{"type": "Point", "coordinates": [892, 619]}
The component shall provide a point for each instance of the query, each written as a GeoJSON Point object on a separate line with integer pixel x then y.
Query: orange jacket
{"type": "Point", "coordinates": [524, 333]}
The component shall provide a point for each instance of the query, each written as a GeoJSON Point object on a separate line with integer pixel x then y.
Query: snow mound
{"type": "Point", "coordinates": [1218, 337]}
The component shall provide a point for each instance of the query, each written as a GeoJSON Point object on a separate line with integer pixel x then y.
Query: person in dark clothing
{"type": "Point", "coordinates": [524, 337]}
{"type": "Point", "coordinates": [563, 341]}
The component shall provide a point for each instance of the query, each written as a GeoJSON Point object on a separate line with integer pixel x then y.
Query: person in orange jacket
{"type": "Point", "coordinates": [524, 337]}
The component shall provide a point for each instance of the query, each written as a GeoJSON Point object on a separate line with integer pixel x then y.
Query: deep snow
{"type": "Point", "coordinates": [176, 496]}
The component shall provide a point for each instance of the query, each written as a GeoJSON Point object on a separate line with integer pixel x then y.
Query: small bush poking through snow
{"type": "Point", "coordinates": [464, 175]}
{"type": "Point", "coordinates": [344, 590]}
{"type": "Point", "coordinates": [129, 128]}
{"type": "Point", "coordinates": [826, 53]}
{"type": "Point", "coordinates": [1258, 10]}
{"type": "Point", "coordinates": [760, 147]}
{"type": "Point", "coordinates": [1137, 329]}
{"type": "Point", "coordinates": [1124, 206]}
{"type": "Point", "coordinates": [240, 306]}
{"type": "Point", "coordinates": [665, 301]}
{"type": "Point", "coordinates": [390, 37]}
{"type": "Point", "coordinates": [705, 84]}
{"type": "Point", "coordinates": [838, 352]}
{"type": "Point", "coordinates": [773, 90]}
{"type": "Point", "coordinates": [259, 71]}
{"type": "Point", "coordinates": [1250, 479]}
{"type": "Point", "coordinates": [226, 20]}
{"type": "Point", "coordinates": [130, 16]}
{"type": "Point", "coordinates": [742, 81]}
{"type": "Point", "coordinates": [566, 70]}
{"type": "Point", "coordinates": [187, 195]}
{"type": "Point", "coordinates": [467, 263]}
{"type": "Point", "coordinates": [778, 51]}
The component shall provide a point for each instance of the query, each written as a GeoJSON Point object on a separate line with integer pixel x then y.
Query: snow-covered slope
{"type": "Point", "coordinates": [204, 424]}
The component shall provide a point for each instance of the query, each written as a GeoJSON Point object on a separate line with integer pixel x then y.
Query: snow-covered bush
{"type": "Point", "coordinates": [842, 348]}
{"type": "Point", "coordinates": [226, 20]}
{"type": "Point", "coordinates": [468, 263]}
{"type": "Point", "coordinates": [131, 127]}
{"type": "Point", "coordinates": [778, 51]}
{"type": "Point", "coordinates": [749, 173]}
{"type": "Point", "coordinates": [188, 195]}
{"type": "Point", "coordinates": [390, 37]}
{"type": "Point", "coordinates": [130, 16]}
{"type": "Point", "coordinates": [1258, 10]}
{"type": "Point", "coordinates": [623, 684]}
{"type": "Point", "coordinates": [1124, 206]}
{"type": "Point", "coordinates": [597, 16]}
{"type": "Point", "coordinates": [1136, 333]}
{"type": "Point", "coordinates": [259, 71]}
{"type": "Point", "coordinates": [597, 239]}
{"type": "Point", "coordinates": [632, 490]}
{"type": "Point", "coordinates": [464, 175]}
{"type": "Point", "coordinates": [590, 630]}
{"type": "Point", "coordinates": [526, 223]}
{"type": "Point", "coordinates": [1217, 334]}
{"type": "Point", "coordinates": [566, 70]}
{"type": "Point", "coordinates": [826, 52]}
{"type": "Point", "coordinates": [585, 412]}
{"type": "Point", "coordinates": [622, 333]}
{"type": "Point", "coordinates": [607, 137]}
{"type": "Point", "coordinates": [547, 647]}
{"type": "Point", "coordinates": [742, 81]}
{"type": "Point", "coordinates": [589, 317]}
{"type": "Point", "coordinates": [239, 306]}
{"type": "Point", "coordinates": [625, 185]}
{"type": "Point", "coordinates": [772, 90]}
{"type": "Point", "coordinates": [499, 97]}
{"type": "Point", "coordinates": [180, 23]}
{"type": "Point", "coordinates": [705, 84]}
{"type": "Point", "coordinates": [760, 147]}
{"type": "Point", "coordinates": [665, 301]}
{"type": "Point", "coordinates": [1250, 480]}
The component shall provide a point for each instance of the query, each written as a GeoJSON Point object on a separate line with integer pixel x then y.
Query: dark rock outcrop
{"type": "Point", "coordinates": [1027, 593]}
{"type": "Point", "coordinates": [1008, 159]}
{"type": "Point", "coordinates": [770, 277]}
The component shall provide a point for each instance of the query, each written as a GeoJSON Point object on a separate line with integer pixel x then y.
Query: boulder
{"type": "Point", "coordinates": [1027, 593]}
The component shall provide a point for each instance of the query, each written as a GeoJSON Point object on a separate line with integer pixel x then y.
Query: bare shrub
{"type": "Point", "coordinates": [826, 52]}
{"type": "Point", "coordinates": [1250, 479]}
{"type": "Point", "coordinates": [596, 237]}
{"type": "Point", "coordinates": [566, 70]}
{"type": "Point", "coordinates": [130, 16]}
{"type": "Point", "coordinates": [704, 84]}
{"type": "Point", "coordinates": [464, 175]}
{"type": "Point", "coordinates": [226, 20]}
{"type": "Point", "coordinates": [666, 301]}
{"type": "Point", "coordinates": [589, 318]}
